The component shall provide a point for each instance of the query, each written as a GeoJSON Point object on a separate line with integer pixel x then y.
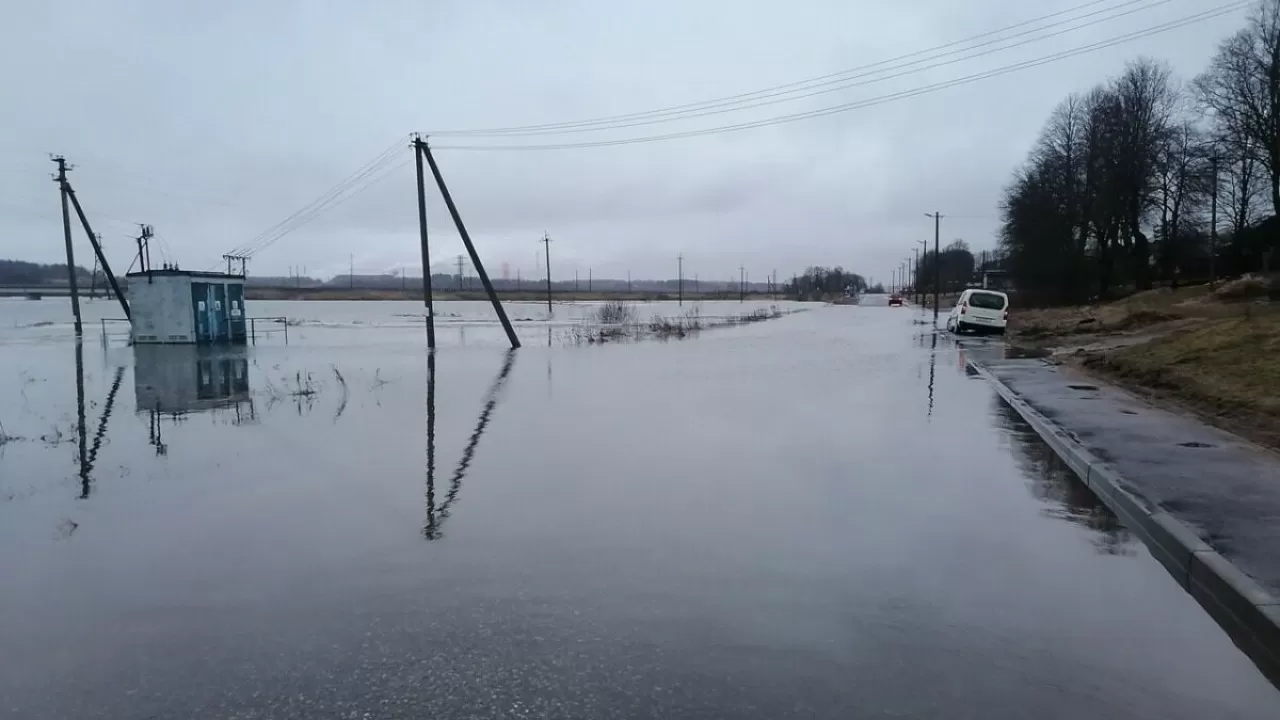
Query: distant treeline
{"type": "Point", "coordinates": [441, 282]}
{"type": "Point", "coordinates": [18, 272]}
{"type": "Point", "coordinates": [816, 283]}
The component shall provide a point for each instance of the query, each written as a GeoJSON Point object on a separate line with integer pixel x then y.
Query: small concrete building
{"type": "Point", "coordinates": [181, 306]}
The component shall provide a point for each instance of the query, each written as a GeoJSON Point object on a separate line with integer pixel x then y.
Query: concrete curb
{"type": "Point", "coordinates": [1246, 610]}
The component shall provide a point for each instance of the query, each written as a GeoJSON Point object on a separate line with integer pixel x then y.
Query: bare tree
{"type": "Point", "coordinates": [1242, 88]}
{"type": "Point", "coordinates": [1147, 100]}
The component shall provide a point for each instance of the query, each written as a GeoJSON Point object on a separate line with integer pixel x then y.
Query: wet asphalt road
{"type": "Point", "coordinates": [817, 516]}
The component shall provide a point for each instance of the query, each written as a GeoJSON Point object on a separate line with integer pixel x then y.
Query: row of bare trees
{"type": "Point", "coordinates": [1145, 179]}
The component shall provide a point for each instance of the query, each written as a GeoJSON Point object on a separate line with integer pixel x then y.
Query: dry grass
{"type": "Point", "coordinates": [1213, 352]}
{"type": "Point", "coordinates": [1227, 370]}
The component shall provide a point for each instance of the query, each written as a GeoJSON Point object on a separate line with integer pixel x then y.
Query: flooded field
{"type": "Point", "coordinates": [819, 515]}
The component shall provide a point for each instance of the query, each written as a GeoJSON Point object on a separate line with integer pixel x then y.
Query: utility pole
{"type": "Point", "coordinates": [93, 276]}
{"type": "Point", "coordinates": [144, 247]}
{"type": "Point", "coordinates": [546, 242]}
{"type": "Point", "coordinates": [402, 285]}
{"type": "Point", "coordinates": [418, 151]}
{"type": "Point", "coordinates": [519, 283]}
{"type": "Point", "coordinates": [425, 151]}
{"type": "Point", "coordinates": [351, 271]}
{"type": "Point", "coordinates": [589, 280]}
{"type": "Point", "coordinates": [921, 256]}
{"type": "Point", "coordinates": [72, 285]}
{"type": "Point", "coordinates": [1213, 224]}
{"type": "Point", "coordinates": [742, 284]}
{"type": "Point", "coordinates": [576, 285]}
{"type": "Point", "coordinates": [680, 278]}
{"type": "Point", "coordinates": [937, 260]}
{"type": "Point", "coordinates": [459, 272]}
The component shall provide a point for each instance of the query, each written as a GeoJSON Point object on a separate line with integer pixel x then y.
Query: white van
{"type": "Point", "coordinates": [980, 311]}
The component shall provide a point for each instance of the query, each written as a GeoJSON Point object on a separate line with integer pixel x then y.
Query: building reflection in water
{"type": "Point", "coordinates": [173, 381]}
{"type": "Point", "coordinates": [1065, 496]}
{"type": "Point", "coordinates": [437, 514]}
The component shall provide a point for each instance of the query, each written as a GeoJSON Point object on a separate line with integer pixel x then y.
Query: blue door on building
{"type": "Point", "coordinates": [235, 301]}
{"type": "Point", "coordinates": [209, 303]}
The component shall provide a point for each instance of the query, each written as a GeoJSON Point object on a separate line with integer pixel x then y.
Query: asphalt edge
{"type": "Point", "coordinates": [1247, 611]}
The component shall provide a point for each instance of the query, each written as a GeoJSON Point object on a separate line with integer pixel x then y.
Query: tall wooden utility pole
{"type": "Point", "coordinates": [426, 251]}
{"type": "Point", "coordinates": [72, 284]}
{"type": "Point", "coordinates": [546, 242]}
{"type": "Point", "coordinates": [680, 278]}
{"type": "Point", "coordinates": [937, 260]}
{"type": "Point", "coordinates": [425, 150]}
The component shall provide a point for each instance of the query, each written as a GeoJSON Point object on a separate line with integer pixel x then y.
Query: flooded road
{"type": "Point", "coordinates": [820, 515]}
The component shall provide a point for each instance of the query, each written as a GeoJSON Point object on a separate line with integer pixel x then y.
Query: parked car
{"type": "Point", "coordinates": [979, 311]}
{"type": "Point", "coordinates": [895, 300]}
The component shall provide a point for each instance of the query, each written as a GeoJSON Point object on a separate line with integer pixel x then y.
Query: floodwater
{"type": "Point", "coordinates": [820, 515]}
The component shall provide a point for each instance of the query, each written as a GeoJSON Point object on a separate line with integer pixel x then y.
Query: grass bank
{"type": "Point", "coordinates": [1214, 353]}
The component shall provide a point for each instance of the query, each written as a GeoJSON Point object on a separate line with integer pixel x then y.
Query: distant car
{"type": "Point", "coordinates": [895, 301]}
{"type": "Point", "coordinates": [979, 311]}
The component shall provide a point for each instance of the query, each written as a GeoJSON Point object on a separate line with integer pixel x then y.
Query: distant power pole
{"type": "Point", "coordinates": [742, 284]}
{"type": "Point", "coordinates": [459, 272]}
{"type": "Point", "coordinates": [588, 279]}
{"type": "Point", "coordinates": [351, 271]}
{"type": "Point", "coordinates": [72, 285]}
{"type": "Point", "coordinates": [576, 285]}
{"type": "Point", "coordinates": [546, 242]}
{"type": "Point", "coordinates": [519, 282]}
{"type": "Point", "coordinates": [680, 277]}
{"type": "Point", "coordinates": [628, 281]}
{"type": "Point", "coordinates": [402, 285]}
{"type": "Point", "coordinates": [937, 260]}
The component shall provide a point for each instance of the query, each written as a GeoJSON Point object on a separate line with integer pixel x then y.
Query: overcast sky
{"type": "Point", "coordinates": [214, 121]}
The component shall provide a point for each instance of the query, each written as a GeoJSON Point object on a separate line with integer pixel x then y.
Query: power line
{"type": "Point", "coordinates": [325, 197]}
{"type": "Point", "coordinates": [842, 81]}
{"type": "Point", "coordinates": [881, 99]}
{"type": "Point", "coordinates": [328, 205]}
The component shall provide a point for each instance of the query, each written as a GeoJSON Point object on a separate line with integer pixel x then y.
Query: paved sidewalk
{"type": "Point", "coordinates": [1206, 502]}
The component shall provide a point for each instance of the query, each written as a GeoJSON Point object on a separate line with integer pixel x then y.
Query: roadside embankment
{"type": "Point", "coordinates": [1213, 353]}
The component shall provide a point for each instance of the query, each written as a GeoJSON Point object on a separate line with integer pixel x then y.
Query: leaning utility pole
{"type": "Point", "coordinates": [72, 284]}
{"type": "Point", "coordinates": [680, 278]}
{"type": "Point", "coordinates": [546, 243]}
{"type": "Point", "coordinates": [937, 260]}
{"type": "Point", "coordinates": [421, 229]}
{"type": "Point", "coordinates": [425, 150]}
{"type": "Point", "coordinates": [69, 194]}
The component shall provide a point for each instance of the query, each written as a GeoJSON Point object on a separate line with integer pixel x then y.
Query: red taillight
{"type": "Point", "coordinates": [1006, 314]}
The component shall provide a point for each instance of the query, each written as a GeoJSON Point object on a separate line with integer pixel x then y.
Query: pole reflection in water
{"type": "Point", "coordinates": [436, 515]}
{"type": "Point", "coordinates": [933, 362]}
{"type": "Point", "coordinates": [87, 454]}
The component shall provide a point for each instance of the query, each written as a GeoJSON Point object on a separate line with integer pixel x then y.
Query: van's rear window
{"type": "Point", "coordinates": [987, 301]}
